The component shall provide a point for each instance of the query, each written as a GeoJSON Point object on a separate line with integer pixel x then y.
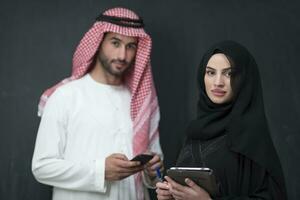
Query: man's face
{"type": "Point", "coordinates": [117, 53]}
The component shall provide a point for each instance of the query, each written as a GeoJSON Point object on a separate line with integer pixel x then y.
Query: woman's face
{"type": "Point", "coordinates": [217, 79]}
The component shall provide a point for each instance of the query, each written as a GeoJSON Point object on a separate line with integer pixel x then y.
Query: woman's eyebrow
{"type": "Point", "coordinates": [226, 69]}
{"type": "Point", "coordinates": [211, 68]}
{"type": "Point", "coordinates": [208, 67]}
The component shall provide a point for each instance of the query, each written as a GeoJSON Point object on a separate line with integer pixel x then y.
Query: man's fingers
{"type": "Point", "coordinates": [154, 160]}
{"type": "Point", "coordinates": [131, 164]}
{"type": "Point", "coordinates": [119, 156]}
{"type": "Point", "coordinates": [130, 170]}
{"type": "Point", "coordinates": [156, 166]}
{"type": "Point", "coordinates": [135, 170]}
{"type": "Point", "coordinates": [123, 173]}
{"type": "Point", "coordinates": [123, 162]}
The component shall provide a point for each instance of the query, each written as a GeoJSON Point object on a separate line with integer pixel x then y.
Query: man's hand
{"type": "Point", "coordinates": [152, 165]}
{"type": "Point", "coordinates": [118, 167]}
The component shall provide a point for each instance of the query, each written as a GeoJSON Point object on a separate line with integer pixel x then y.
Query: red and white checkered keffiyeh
{"type": "Point", "coordinates": [144, 105]}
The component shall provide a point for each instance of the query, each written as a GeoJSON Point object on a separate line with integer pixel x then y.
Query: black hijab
{"type": "Point", "coordinates": [243, 119]}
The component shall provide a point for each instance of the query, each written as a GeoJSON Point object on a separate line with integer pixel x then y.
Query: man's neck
{"type": "Point", "coordinates": [101, 76]}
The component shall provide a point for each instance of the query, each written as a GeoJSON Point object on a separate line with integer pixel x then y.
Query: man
{"type": "Point", "coordinates": [102, 116]}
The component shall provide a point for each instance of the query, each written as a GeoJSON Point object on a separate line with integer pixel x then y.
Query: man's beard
{"type": "Point", "coordinates": [107, 65]}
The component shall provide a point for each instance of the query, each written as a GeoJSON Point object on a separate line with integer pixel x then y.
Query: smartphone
{"type": "Point", "coordinates": [143, 158]}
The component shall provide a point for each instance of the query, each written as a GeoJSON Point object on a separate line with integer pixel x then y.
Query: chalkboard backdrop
{"type": "Point", "coordinates": [38, 39]}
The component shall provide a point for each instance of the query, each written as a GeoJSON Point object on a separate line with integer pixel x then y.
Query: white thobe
{"type": "Point", "coordinates": [83, 123]}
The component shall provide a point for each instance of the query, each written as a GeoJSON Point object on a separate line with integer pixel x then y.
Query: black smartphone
{"type": "Point", "coordinates": [143, 158]}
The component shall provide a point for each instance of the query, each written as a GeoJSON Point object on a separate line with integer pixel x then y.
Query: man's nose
{"type": "Point", "coordinates": [122, 53]}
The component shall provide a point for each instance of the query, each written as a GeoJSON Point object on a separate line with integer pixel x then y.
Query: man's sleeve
{"type": "Point", "coordinates": [48, 163]}
{"type": "Point", "coordinates": [147, 180]}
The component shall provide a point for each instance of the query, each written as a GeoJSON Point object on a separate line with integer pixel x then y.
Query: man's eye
{"type": "Point", "coordinates": [116, 43]}
{"type": "Point", "coordinates": [131, 46]}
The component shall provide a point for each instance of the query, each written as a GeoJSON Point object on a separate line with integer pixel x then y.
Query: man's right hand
{"type": "Point", "coordinates": [118, 167]}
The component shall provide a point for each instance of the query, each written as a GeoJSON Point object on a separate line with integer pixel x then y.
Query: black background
{"type": "Point", "coordinates": [38, 39]}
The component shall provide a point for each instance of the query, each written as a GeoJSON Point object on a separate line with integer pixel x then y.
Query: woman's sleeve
{"type": "Point", "coordinates": [48, 163]}
{"type": "Point", "coordinates": [261, 187]}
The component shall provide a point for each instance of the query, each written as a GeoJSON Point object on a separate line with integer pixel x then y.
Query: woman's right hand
{"type": "Point", "coordinates": [162, 191]}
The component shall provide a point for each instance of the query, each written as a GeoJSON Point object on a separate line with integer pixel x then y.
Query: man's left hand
{"type": "Point", "coordinates": [152, 165]}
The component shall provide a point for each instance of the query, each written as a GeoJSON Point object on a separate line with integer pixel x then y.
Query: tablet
{"type": "Point", "coordinates": [203, 177]}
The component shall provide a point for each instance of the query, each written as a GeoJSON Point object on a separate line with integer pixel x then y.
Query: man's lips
{"type": "Point", "coordinates": [120, 65]}
{"type": "Point", "coordinates": [218, 92]}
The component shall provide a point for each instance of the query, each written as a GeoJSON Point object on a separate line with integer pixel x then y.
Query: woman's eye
{"type": "Point", "coordinates": [210, 73]}
{"type": "Point", "coordinates": [228, 74]}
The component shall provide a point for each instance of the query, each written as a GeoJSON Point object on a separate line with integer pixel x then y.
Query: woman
{"type": "Point", "coordinates": [230, 134]}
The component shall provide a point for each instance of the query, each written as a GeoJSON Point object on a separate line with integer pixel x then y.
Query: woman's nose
{"type": "Point", "coordinates": [219, 81]}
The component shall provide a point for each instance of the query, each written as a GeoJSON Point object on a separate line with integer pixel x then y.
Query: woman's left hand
{"type": "Point", "coordinates": [190, 192]}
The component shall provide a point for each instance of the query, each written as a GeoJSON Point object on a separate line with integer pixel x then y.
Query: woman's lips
{"type": "Point", "coordinates": [218, 93]}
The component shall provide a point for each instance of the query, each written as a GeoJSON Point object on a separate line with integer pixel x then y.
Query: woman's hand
{"type": "Point", "coordinates": [190, 192]}
{"type": "Point", "coordinates": [162, 191]}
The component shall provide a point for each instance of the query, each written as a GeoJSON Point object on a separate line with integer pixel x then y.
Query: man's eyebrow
{"type": "Point", "coordinates": [118, 39]}
{"type": "Point", "coordinates": [115, 38]}
{"type": "Point", "coordinates": [133, 43]}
